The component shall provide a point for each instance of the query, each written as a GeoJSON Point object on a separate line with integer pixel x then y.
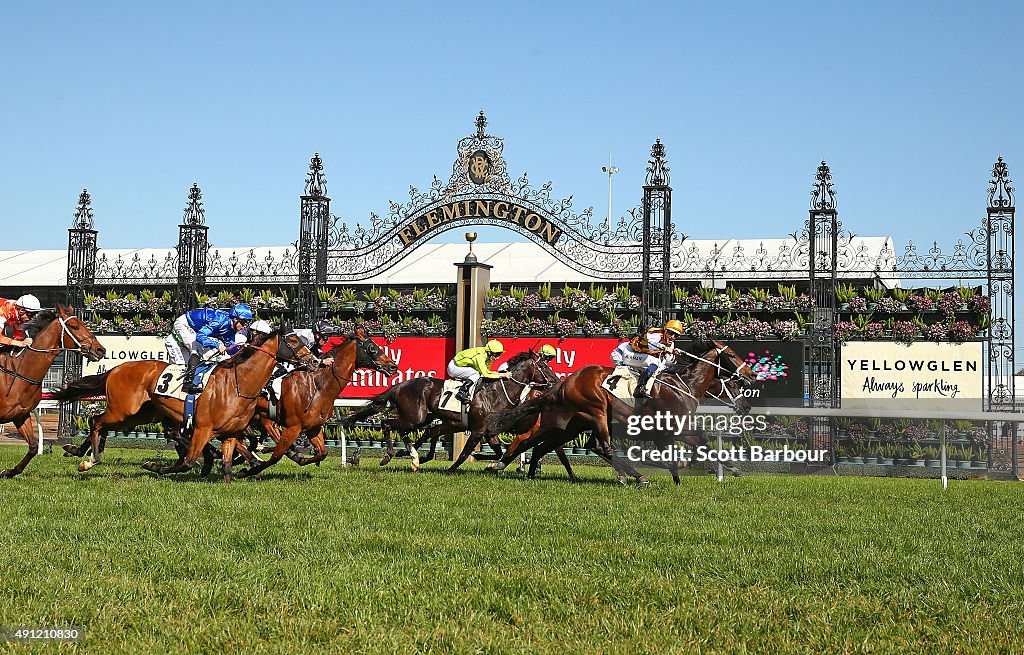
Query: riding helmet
{"type": "Point", "coordinates": [242, 312]}
{"type": "Point", "coordinates": [548, 350]}
{"type": "Point", "coordinates": [674, 326]}
{"type": "Point", "coordinates": [29, 303]}
{"type": "Point", "coordinates": [261, 326]}
{"type": "Point", "coordinates": [495, 346]}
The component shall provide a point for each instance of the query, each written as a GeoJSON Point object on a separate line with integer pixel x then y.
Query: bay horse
{"type": "Point", "coordinates": [22, 370]}
{"type": "Point", "coordinates": [307, 399]}
{"type": "Point", "coordinates": [580, 403]}
{"type": "Point", "coordinates": [415, 403]}
{"type": "Point", "coordinates": [222, 411]}
{"type": "Point", "coordinates": [726, 392]}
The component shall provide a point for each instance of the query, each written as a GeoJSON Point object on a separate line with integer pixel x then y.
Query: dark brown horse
{"type": "Point", "coordinates": [415, 403]}
{"type": "Point", "coordinates": [307, 399]}
{"type": "Point", "coordinates": [727, 392]}
{"type": "Point", "coordinates": [22, 370]}
{"type": "Point", "coordinates": [580, 403]}
{"type": "Point", "coordinates": [222, 411]}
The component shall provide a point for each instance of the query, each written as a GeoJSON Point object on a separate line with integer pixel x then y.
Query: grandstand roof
{"type": "Point", "coordinates": [432, 263]}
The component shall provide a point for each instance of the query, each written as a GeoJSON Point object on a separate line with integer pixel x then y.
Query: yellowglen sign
{"type": "Point", "coordinates": [501, 210]}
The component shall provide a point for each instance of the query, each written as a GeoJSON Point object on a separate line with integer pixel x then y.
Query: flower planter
{"type": "Point", "coordinates": [886, 461]}
{"type": "Point", "coordinates": [856, 460]}
{"type": "Point", "coordinates": [843, 460]}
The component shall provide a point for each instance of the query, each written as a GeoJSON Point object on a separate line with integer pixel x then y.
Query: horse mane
{"type": "Point", "coordinates": [338, 344]}
{"type": "Point", "coordinates": [244, 355]}
{"type": "Point", "coordinates": [519, 358]}
{"type": "Point", "coordinates": [38, 322]}
{"type": "Point", "coordinates": [698, 348]}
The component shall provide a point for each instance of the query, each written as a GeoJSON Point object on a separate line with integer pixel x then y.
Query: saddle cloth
{"type": "Point", "coordinates": [170, 381]}
{"type": "Point", "coordinates": [448, 402]}
{"type": "Point", "coordinates": [622, 383]}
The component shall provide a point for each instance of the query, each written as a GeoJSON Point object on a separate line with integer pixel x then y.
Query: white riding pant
{"type": "Point", "coordinates": [463, 372]}
{"type": "Point", "coordinates": [182, 342]}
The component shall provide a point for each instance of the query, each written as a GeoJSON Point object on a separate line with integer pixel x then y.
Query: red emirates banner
{"type": "Point", "coordinates": [416, 357]}
{"type": "Point", "coordinates": [429, 356]}
{"type": "Point", "coordinates": [571, 354]}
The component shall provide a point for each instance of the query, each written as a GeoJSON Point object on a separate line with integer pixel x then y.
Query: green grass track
{"type": "Point", "coordinates": [384, 560]}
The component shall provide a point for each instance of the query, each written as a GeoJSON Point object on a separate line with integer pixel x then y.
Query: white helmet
{"type": "Point", "coordinates": [29, 303]}
{"type": "Point", "coordinates": [261, 326]}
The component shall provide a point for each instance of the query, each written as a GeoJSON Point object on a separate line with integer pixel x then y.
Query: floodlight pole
{"type": "Point", "coordinates": [611, 170]}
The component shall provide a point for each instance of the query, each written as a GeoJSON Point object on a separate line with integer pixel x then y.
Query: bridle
{"type": "Point", "coordinates": [714, 363]}
{"type": "Point", "coordinates": [64, 330]}
{"type": "Point", "coordinates": [530, 383]}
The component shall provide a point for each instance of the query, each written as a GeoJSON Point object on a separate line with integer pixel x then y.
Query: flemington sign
{"type": "Point", "coordinates": [912, 376]}
{"type": "Point", "coordinates": [501, 210]}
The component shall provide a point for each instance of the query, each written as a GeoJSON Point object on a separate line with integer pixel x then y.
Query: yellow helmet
{"type": "Point", "coordinates": [674, 326]}
{"type": "Point", "coordinates": [547, 350]}
{"type": "Point", "coordinates": [495, 346]}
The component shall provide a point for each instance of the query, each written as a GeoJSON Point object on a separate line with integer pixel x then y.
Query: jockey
{"type": "Point", "coordinates": [471, 364]}
{"type": "Point", "coordinates": [646, 353]}
{"type": "Point", "coordinates": [16, 313]}
{"type": "Point", "coordinates": [318, 338]}
{"type": "Point", "coordinates": [204, 333]}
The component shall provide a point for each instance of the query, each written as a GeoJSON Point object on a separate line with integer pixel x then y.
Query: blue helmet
{"type": "Point", "coordinates": [242, 312]}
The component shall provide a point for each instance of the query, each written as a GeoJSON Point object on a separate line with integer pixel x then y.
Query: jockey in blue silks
{"type": "Point", "coordinates": [203, 333]}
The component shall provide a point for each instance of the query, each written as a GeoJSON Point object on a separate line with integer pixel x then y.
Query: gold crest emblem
{"type": "Point", "coordinates": [479, 167]}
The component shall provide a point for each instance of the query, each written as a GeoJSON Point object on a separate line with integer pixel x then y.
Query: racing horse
{"type": "Point", "coordinates": [222, 411]}
{"type": "Point", "coordinates": [307, 399]}
{"type": "Point", "coordinates": [415, 403]}
{"type": "Point", "coordinates": [581, 403]}
{"type": "Point", "coordinates": [22, 370]}
{"type": "Point", "coordinates": [726, 392]}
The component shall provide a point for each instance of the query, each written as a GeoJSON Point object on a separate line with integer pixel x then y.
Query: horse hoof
{"type": "Point", "coordinates": [415, 467]}
{"type": "Point", "coordinates": [491, 468]}
{"type": "Point", "coordinates": [151, 467]}
{"type": "Point", "coordinates": [70, 450]}
{"type": "Point", "coordinates": [622, 480]}
{"type": "Point", "coordinates": [737, 474]}
{"type": "Point", "coordinates": [642, 482]}
{"type": "Point", "coordinates": [85, 465]}
{"type": "Point", "coordinates": [385, 460]}
{"type": "Point", "coordinates": [7, 474]}
{"type": "Point", "coordinates": [244, 473]}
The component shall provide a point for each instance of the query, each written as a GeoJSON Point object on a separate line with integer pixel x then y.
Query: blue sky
{"type": "Point", "coordinates": [910, 103]}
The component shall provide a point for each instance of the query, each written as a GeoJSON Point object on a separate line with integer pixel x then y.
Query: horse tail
{"type": "Point", "coordinates": [377, 405]}
{"type": "Point", "coordinates": [499, 422]}
{"type": "Point", "coordinates": [90, 385]}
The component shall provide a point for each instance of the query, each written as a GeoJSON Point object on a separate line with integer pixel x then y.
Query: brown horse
{"type": "Point", "coordinates": [222, 411]}
{"type": "Point", "coordinates": [307, 399]}
{"type": "Point", "coordinates": [727, 392]}
{"type": "Point", "coordinates": [580, 403]}
{"type": "Point", "coordinates": [22, 370]}
{"type": "Point", "coordinates": [415, 405]}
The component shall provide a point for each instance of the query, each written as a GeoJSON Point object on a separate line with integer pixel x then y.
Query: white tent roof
{"type": "Point", "coordinates": [433, 263]}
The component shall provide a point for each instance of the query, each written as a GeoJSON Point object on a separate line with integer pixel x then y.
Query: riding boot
{"type": "Point", "coordinates": [641, 384]}
{"type": "Point", "coordinates": [463, 392]}
{"type": "Point", "coordinates": [188, 386]}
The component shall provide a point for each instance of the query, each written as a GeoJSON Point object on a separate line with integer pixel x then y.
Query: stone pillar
{"type": "Point", "coordinates": [471, 285]}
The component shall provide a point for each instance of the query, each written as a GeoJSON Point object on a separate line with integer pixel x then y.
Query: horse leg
{"type": "Point", "coordinates": [288, 437]}
{"type": "Point", "coordinates": [321, 449]}
{"type": "Point", "coordinates": [228, 454]}
{"type": "Point", "coordinates": [200, 439]}
{"type": "Point", "coordinates": [467, 450]}
{"type": "Point", "coordinates": [27, 431]}
{"type": "Point", "coordinates": [245, 454]}
{"type": "Point", "coordinates": [414, 452]}
{"type": "Point", "coordinates": [564, 459]}
{"type": "Point", "coordinates": [389, 448]}
{"type": "Point", "coordinates": [539, 451]}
